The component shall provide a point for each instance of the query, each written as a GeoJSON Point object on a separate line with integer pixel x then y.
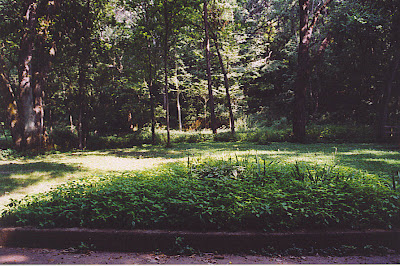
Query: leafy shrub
{"type": "Point", "coordinates": [120, 141]}
{"type": "Point", "coordinates": [353, 133]}
{"type": "Point", "coordinates": [63, 139]}
{"type": "Point", "coordinates": [7, 153]}
{"type": "Point", "coordinates": [216, 195]}
{"type": "Point", "coordinates": [225, 137]}
{"type": "Point", "coordinates": [189, 137]}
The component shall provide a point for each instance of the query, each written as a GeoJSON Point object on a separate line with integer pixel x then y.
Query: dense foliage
{"type": "Point", "coordinates": [232, 194]}
{"type": "Point", "coordinates": [113, 63]}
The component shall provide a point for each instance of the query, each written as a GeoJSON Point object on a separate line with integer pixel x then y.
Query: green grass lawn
{"type": "Point", "coordinates": [23, 176]}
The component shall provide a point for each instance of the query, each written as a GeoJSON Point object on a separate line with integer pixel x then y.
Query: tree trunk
{"type": "Point", "coordinates": [30, 138]}
{"type": "Point", "coordinates": [82, 79]}
{"type": "Point", "coordinates": [208, 66]}
{"type": "Point", "coordinates": [303, 75]}
{"type": "Point", "coordinates": [387, 94]}
{"type": "Point", "coordinates": [178, 106]}
{"type": "Point", "coordinates": [178, 93]}
{"type": "Point", "coordinates": [301, 85]}
{"type": "Point", "coordinates": [9, 98]}
{"type": "Point", "coordinates": [152, 100]}
{"type": "Point", "coordinates": [316, 60]}
{"type": "Point", "coordinates": [42, 66]}
{"type": "Point", "coordinates": [226, 84]}
{"type": "Point", "coordinates": [166, 100]}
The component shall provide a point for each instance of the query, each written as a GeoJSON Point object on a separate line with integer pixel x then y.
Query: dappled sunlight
{"type": "Point", "coordinates": [113, 163]}
{"type": "Point", "coordinates": [371, 152]}
{"type": "Point", "coordinates": [13, 259]}
{"type": "Point", "coordinates": [19, 177]}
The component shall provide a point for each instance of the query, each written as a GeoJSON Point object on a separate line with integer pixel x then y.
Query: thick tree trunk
{"type": "Point", "coordinates": [166, 48]}
{"type": "Point", "coordinates": [387, 94]}
{"type": "Point", "coordinates": [303, 75]}
{"type": "Point", "coordinates": [82, 79]}
{"type": "Point", "coordinates": [208, 66]}
{"type": "Point", "coordinates": [42, 66]}
{"type": "Point", "coordinates": [301, 85]}
{"type": "Point", "coordinates": [316, 60]}
{"type": "Point", "coordinates": [226, 84]}
{"type": "Point", "coordinates": [30, 137]}
{"type": "Point", "coordinates": [11, 103]}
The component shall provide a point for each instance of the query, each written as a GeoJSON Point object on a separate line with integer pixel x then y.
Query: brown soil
{"type": "Point", "coordinates": [70, 256]}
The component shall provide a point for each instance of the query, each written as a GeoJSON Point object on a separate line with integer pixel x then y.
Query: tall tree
{"type": "Point", "coordinates": [85, 46]}
{"type": "Point", "coordinates": [208, 67]}
{"type": "Point", "coordinates": [10, 100]}
{"type": "Point", "coordinates": [166, 13]}
{"type": "Point", "coordinates": [226, 83]}
{"type": "Point", "coordinates": [301, 85]}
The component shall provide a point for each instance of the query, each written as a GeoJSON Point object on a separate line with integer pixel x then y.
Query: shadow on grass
{"type": "Point", "coordinates": [16, 176]}
{"type": "Point", "coordinates": [379, 159]}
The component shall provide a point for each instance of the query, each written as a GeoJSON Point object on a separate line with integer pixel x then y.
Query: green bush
{"type": "Point", "coordinates": [120, 141]}
{"type": "Point", "coordinates": [63, 139]}
{"type": "Point", "coordinates": [225, 137]}
{"type": "Point", "coordinates": [346, 133]}
{"type": "Point", "coordinates": [189, 137]}
{"type": "Point", "coordinates": [216, 195]}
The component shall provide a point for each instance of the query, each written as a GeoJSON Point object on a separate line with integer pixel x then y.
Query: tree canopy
{"type": "Point", "coordinates": [100, 67]}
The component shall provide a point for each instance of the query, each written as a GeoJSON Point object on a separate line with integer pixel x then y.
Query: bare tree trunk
{"type": "Point", "coordinates": [42, 68]}
{"type": "Point", "coordinates": [166, 48]}
{"type": "Point", "coordinates": [387, 94]}
{"type": "Point", "coordinates": [178, 93]}
{"type": "Point", "coordinates": [152, 100]}
{"type": "Point", "coordinates": [82, 79]}
{"type": "Point", "coordinates": [303, 75]}
{"type": "Point", "coordinates": [10, 101]}
{"type": "Point", "coordinates": [315, 61]}
{"type": "Point", "coordinates": [205, 111]}
{"type": "Point", "coordinates": [208, 63]}
{"type": "Point", "coordinates": [226, 84]}
{"type": "Point", "coordinates": [26, 99]}
{"type": "Point", "coordinates": [178, 106]}
{"type": "Point", "coordinates": [301, 85]}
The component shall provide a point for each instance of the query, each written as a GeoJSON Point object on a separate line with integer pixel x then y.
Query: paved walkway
{"type": "Point", "coordinates": [70, 256]}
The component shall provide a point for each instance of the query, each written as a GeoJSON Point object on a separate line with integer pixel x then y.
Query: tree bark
{"type": "Point", "coordinates": [208, 69]}
{"type": "Point", "coordinates": [152, 100]}
{"type": "Point", "coordinates": [82, 79]}
{"type": "Point", "coordinates": [10, 101]}
{"type": "Point", "coordinates": [387, 94]}
{"type": "Point", "coordinates": [301, 85]}
{"type": "Point", "coordinates": [42, 66]}
{"type": "Point", "coordinates": [166, 48]}
{"type": "Point", "coordinates": [315, 61]}
{"type": "Point", "coordinates": [178, 93]}
{"type": "Point", "coordinates": [178, 106]}
{"type": "Point", "coordinates": [303, 75]}
{"type": "Point", "coordinates": [226, 84]}
{"type": "Point", "coordinates": [29, 131]}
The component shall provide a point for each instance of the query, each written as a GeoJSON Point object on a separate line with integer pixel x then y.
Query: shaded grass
{"type": "Point", "coordinates": [15, 176]}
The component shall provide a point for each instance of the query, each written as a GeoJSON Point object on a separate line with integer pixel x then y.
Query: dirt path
{"type": "Point", "coordinates": [52, 256]}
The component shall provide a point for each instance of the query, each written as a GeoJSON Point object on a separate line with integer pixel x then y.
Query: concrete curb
{"type": "Point", "coordinates": [151, 240]}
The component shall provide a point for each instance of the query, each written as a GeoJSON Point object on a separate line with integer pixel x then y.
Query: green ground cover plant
{"type": "Point", "coordinates": [64, 140]}
{"type": "Point", "coordinates": [214, 194]}
{"type": "Point", "coordinates": [24, 175]}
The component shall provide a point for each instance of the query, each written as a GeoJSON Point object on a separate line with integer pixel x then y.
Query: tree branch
{"type": "Point", "coordinates": [318, 12]}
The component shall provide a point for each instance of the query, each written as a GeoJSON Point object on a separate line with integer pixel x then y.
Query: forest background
{"type": "Point", "coordinates": [107, 73]}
